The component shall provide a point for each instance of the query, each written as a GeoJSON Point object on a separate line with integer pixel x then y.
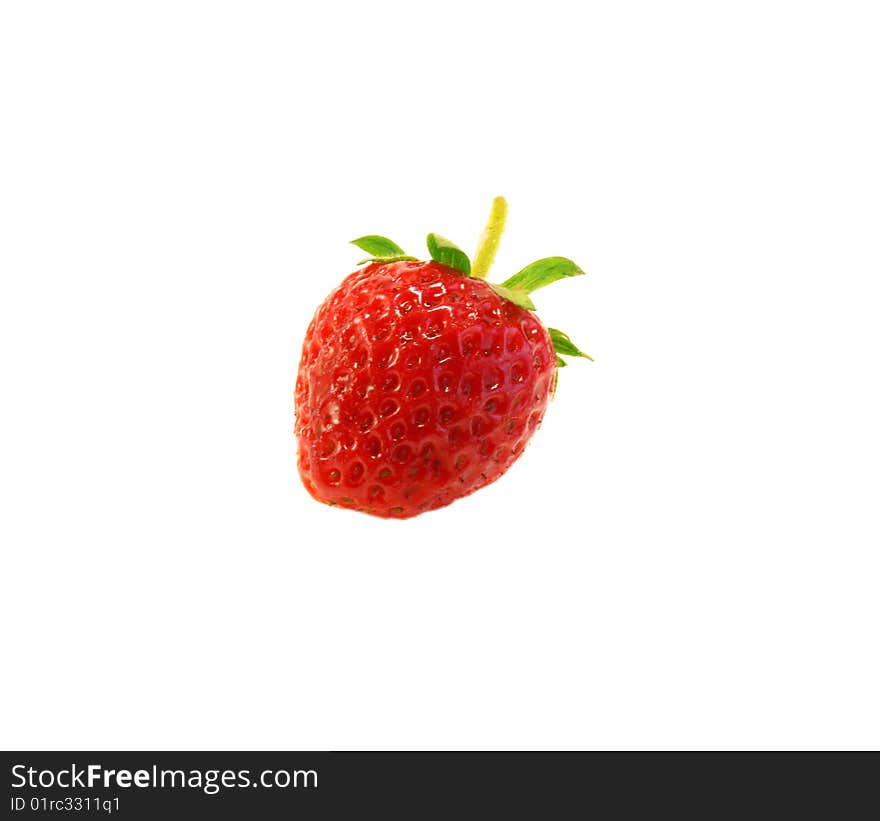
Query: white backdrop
{"type": "Point", "coordinates": [686, 555]}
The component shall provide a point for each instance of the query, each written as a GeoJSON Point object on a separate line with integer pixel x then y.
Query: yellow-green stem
{"type": "Point", "coordinates": [488, 244]}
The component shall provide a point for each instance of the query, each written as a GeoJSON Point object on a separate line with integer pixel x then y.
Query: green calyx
{"type": "Point", "coordinates": [562, 344]}
{"type": "Point", "coordinates": [515, 289]}
{"type": "Point", "coordinates": [380, 249]}
{"type": "Point", "coordinates": [448, 254]}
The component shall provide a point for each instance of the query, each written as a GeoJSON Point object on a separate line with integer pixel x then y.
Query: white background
{"type": "Point", "coordinates": [687, 554]}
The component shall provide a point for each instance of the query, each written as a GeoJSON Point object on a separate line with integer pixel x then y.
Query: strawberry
{"type": "Point", "coordinates": [420, 381]}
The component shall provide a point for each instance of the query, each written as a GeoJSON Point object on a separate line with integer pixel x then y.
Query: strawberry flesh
{"type": "Point", "coordinates": [417, 386]}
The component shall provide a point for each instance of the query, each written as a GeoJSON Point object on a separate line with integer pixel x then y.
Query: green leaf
{"type": "Point", "coordinates": [379, 247]}
{"type": "Point", "coordinates": [562, 344]}
{"type": "Point", "coordinates": [386, 259]}
{"type": "Point", "coordinates": [515, 295]}
{"type": "Point", "coordinates": [542, 273]}
{"type": "Point", "coordinates": [447, 253]}
{"type": "Point", "coordinates": [560, 362]}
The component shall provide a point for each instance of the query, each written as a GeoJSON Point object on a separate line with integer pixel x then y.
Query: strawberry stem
{"type": "Point", "coordinates": [490, 238]}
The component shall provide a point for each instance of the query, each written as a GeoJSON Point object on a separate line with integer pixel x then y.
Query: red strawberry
{"type": "Point", "coordinates": [420, 382]}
